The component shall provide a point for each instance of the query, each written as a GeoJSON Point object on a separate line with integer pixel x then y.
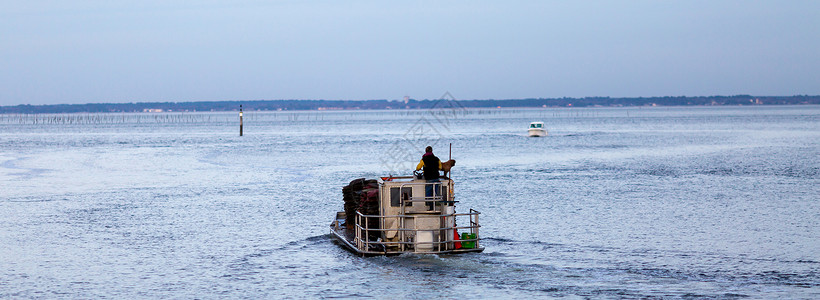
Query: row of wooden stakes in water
{"type": "Point", "coordinates": [79, 119]}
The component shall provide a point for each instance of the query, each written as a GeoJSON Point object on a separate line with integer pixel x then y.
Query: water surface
{"type": "Point", "coordinates": [616, 202]}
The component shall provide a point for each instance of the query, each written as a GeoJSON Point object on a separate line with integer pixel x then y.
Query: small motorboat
{"type": "Point", "coordinates": [395, 215]}
{"type": "Point", "coordinates": [537, 129]}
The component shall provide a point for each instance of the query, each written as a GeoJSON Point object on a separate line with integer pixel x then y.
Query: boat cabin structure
{"type": "Point", "coordinates": [395, 215]}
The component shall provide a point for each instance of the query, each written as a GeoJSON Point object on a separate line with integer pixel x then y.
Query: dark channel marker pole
{"type": "Point", "coordinates": [240, 120]}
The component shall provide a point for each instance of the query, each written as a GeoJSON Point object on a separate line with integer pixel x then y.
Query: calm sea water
{"type": "Point", "coordinates": [615, 203]}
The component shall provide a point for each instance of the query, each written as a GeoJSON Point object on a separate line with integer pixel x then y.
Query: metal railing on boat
{"type": "Point", "coordinates": [365, 244]}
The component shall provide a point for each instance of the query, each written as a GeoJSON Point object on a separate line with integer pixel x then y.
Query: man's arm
{"type": "Point", "coordinates": [421, 164]}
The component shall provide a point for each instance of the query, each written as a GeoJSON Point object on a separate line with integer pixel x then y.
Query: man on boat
{"type": "Point", "coordinates": [430, 165]}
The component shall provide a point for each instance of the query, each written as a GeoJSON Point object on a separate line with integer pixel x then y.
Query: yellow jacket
{"type": "Point", "coordinates": [421, 165]}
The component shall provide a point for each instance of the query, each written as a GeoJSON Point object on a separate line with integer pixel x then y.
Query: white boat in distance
{"type": "Point", "coordinates": [537, 129]}
{"type": "Point", "coordinates": [395, 215]}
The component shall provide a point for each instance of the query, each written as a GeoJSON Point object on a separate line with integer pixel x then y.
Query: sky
{"type": "Point", "coordinates": [79, 51]}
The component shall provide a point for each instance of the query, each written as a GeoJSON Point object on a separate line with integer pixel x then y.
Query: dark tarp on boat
{"type": "Point", "coordinates": [362, 195]}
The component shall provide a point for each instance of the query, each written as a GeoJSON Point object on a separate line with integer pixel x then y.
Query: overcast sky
{"type": "Point", "coordinates": [54, 52]}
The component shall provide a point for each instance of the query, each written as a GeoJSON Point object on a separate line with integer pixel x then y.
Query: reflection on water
{"type": "Point", "coordinates": [650, 202]}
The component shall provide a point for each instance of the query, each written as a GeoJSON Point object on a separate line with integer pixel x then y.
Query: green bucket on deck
{"type": "Point", "coordinates": [468, 236]}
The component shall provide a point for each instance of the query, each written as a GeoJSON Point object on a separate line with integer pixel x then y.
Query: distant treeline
{"type": "Point", "coordinates": [401, 104]}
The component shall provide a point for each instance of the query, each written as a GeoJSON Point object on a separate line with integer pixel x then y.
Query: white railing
{"type": "Point", "coordinates": [364, 238]}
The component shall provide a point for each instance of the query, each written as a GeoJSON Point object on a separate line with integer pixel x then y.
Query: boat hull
{"type": "Point", "coordinates": [536, 132]}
